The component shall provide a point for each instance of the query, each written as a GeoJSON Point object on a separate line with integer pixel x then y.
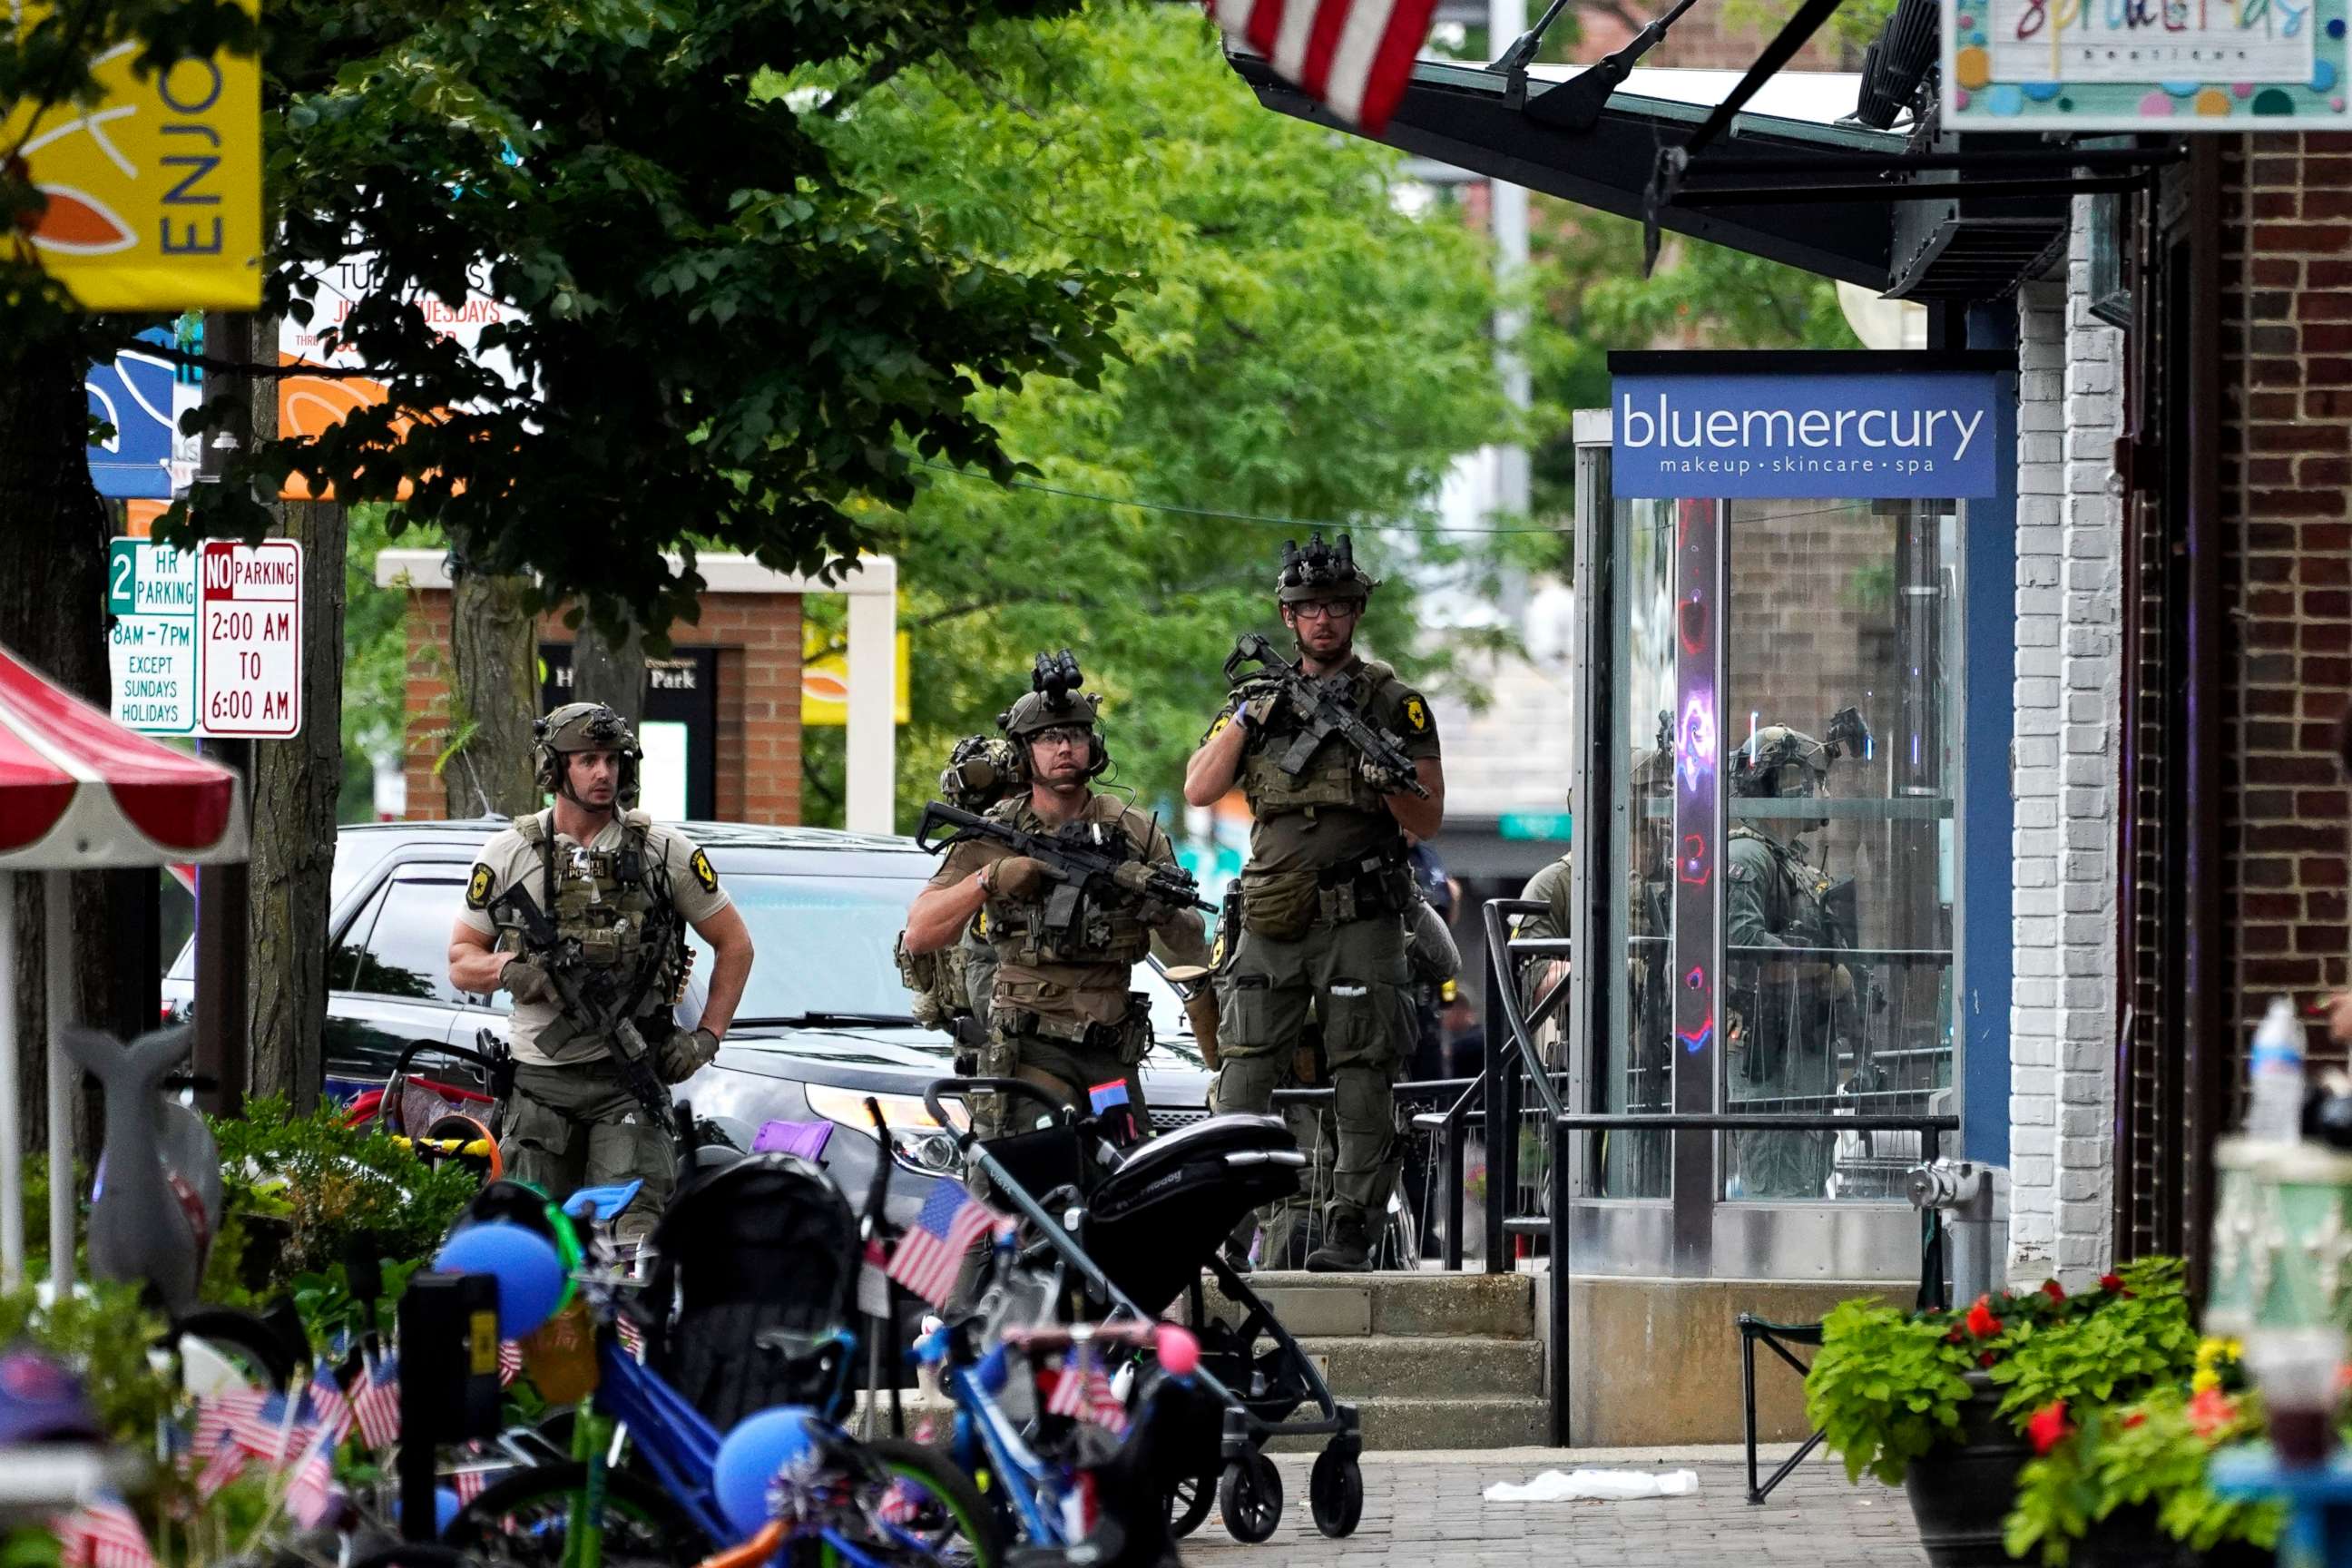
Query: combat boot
{"type": "Point", "coordinates": [1345, 1249]}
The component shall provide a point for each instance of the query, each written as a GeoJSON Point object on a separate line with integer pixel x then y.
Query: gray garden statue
{"type": "Point", "coordinates": [157, 1200]}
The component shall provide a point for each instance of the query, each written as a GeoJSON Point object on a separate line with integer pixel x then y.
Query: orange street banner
{"type": "Point", "coordinates": [154, 192]}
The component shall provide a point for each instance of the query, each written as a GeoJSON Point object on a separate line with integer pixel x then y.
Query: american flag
{"type": "Point", "coordinates": [1351, 55]}
{"type": "Point", "coordinates": [1084, 1391]}
{"type": "Point", "coordinates": [375, 1403]}
{"type": "Point", "coordinates": [311, 1495]}
{"type": "Point", "coordinates": [633, 1339]}
{"type": "Point", "coordinates": [509, 1361]}
{"type": "Point", "coordinates": [332, 1411]}
{"type": "Point", "coordinates": [928, 1257]}
{"type": "Point", "coordinates": [226, 1464]}
{"type": "Point", "coordinates": [230, 1415]}
{"type": "Point", "coordinates": [102, 1534]}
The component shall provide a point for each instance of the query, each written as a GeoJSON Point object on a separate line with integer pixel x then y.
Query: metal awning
{"type": "Point", "coordinates": [1492, 124]}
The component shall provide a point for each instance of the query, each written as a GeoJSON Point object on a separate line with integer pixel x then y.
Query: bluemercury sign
{"type": "Point", "coordinates": [1869, 434]}
{"type": "Point", "coordinates": [2153, 65]}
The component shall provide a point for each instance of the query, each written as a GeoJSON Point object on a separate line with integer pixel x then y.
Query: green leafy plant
{"type": "Point", "coordinates": [1888, 1385]}
{"type": "Point", "coordinates": [2150, 1454]}
{"type": "Point", "coordinates": [2102, 1346]}
{"type": "Point", "coordinates": [324, 1183]}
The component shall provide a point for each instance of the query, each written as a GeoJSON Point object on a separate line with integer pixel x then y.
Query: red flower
{"type": "Point", "coordinates": [2111, 1281]}
{"type": "Point", "coordinates": [1986, 1359]}
{"type": "Point", "coordinates": [2049, 1425]}
{"type": "Point", "coordinates": [2051, 1288]}
{"type": "Point", "coordinates": [2210, 1411]}
{"type": "Point", "coordinates": [1954, 1336]}
{"type": "Point", "coordinates": [1981, 1323]}
{"type": "Point", "coordinates": [2133, 1419]}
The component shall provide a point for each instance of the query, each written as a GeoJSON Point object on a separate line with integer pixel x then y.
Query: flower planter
{"type": "Point", "coordinates": [2128, 1538]}
{"type": "Point", "coordinates": [1961, 1492]}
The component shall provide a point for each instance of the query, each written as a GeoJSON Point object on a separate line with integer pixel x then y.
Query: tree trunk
{"type": "Point", "coordinates": [53, 533]}
{"type": "Point", "coordinates": [611, 670]}
{"type": "Point", "coordinates": [295, 787]}
{"type": "Point", "coordinates": [494, 659]}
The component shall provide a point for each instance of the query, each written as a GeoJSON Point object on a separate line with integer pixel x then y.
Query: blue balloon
{"type": "Point", "coordinates": [759, 1448]}
{"type": "Point", "coordinates": [445, 1510]}
{"type": "Point", "coordinates": [529, 1274]}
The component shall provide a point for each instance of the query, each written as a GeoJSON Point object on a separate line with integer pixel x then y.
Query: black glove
{"type": "Point", "coordinates": [684, 1053]}
{"type": "Point", "coordinates": [527, 982]}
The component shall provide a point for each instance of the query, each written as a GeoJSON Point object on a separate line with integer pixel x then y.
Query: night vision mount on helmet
{"type": "Point", "coordinates": [1053, 701]}
{"type": "Point", "coordinates": [1321, 571]}
{"type": "Point", "coordinates": [583, 727]}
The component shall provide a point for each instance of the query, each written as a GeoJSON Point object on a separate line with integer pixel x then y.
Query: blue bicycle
{"type": "Point", "coordinates": [880, 1504]}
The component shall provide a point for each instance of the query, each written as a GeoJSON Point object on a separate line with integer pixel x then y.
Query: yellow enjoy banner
{"type": "Point", "coordinates": [154, 192]}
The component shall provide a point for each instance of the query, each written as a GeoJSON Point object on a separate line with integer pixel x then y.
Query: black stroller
{"type": "Point", "coordinates": [761, 1259]}
{"type": "Point", "coordinates": [1138, 1231]}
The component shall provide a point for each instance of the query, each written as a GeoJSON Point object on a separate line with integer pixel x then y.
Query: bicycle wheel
{"type": "Point", "coordinates": [931, 1512]}
{"type": "Point", "coordinates": [525, 1520]}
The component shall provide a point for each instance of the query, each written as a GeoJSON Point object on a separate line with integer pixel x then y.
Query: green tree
{"type": "Point", "coordinates": [1305, 346]}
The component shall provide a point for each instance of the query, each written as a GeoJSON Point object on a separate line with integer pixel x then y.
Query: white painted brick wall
{"type": "Point", "coordinates": [2066, 751]}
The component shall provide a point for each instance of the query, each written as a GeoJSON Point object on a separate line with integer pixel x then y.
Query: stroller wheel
{"type": "Point", "coordinates": [1189, 1502]}
{"type": "Point", "coordinates": [1249, 1498]}
{"type": "Point", "coordinates": [1335, 1494]}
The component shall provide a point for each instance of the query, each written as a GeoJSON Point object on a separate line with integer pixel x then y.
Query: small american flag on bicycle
{"type": "Point", "coordinates": [1084, 1391]}
{"type": "Point", "coordinates": [929, 1256]}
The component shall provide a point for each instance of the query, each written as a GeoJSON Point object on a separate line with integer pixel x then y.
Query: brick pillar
{"type": "Point", "coordinates": [2286, 442]}
{"type": "Point", "coordinates": [426, 702]}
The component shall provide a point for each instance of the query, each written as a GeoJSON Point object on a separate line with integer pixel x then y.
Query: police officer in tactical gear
{"type": "Point", "coordinates": [951, 987]}
{"type": "Point", "coordinates": [626, 888]}
{"type": "Point", "coordinates": [1061, 1012]}
{"type": "Point", "coordinates": [1787, 1019]}
{"type": "Point", "coordinates": [1325, 890]}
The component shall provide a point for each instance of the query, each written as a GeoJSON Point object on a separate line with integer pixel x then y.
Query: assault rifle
{"type": "Point", "coordinates": [1082, 857]}
{"type": "Point", "coordinates": [591, 1000]}
{"type": "Point", "coordinates": [1322, 712]}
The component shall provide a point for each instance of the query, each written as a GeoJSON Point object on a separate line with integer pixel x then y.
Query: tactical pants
{"type": "Point", "coordinates": [572, 1127]}
{"type": "Point", "coordinates": [1351, 979]}
{"type": "Point", "coordinates": [1782, 1164]}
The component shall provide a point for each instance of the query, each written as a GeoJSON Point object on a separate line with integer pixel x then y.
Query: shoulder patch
{"type": "Point", "coordinates": [700, 865]}
{"type": "Point", "coordinates": [1218, 727]}
{"type": "Point", "coordinates": [1416, 715]}
{"type": "Point", "coordinates": [478, 888]}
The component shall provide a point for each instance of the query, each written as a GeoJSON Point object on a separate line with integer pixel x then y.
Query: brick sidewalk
{"type": "Point", "coordinates": [1428, 1512]}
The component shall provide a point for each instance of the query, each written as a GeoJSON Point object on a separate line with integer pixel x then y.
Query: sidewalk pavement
{"type": "Point", "coordinates": [1427, 1510]}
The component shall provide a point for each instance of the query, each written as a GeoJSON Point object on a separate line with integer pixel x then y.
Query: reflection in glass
{"type": "Point", "coordinates": [1838, 917]}
{"type": "Point", "coordinates": [1636, 1072]}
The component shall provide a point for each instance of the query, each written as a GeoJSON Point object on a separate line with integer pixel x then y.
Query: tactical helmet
{"type": "Point", "coordinates": [1321, 572]}
{"type": "Point", "coordinates": [1055, 700]}
{"type": "Point", "coordinates": [1779, 761]}
{"type": "Point", "coordinates": [981, 770]}
{"type": "Point", "coordinates": [1652, 772]}
{"type": "Point", "coordinates": [583, 727]}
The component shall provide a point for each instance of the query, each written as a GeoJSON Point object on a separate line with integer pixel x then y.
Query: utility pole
{"type": "Point", "coordinates": [223, 892]}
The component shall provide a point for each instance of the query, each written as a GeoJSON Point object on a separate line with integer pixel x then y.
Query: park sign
{"type": "Point", "coordinates": [2169, 65]}
{"type": "Point", "coordinates": [154, 191]}
{"type": "Point", "coordinates": [1871, 433]}
{"type": "Point", "coordinates": [206, 641]}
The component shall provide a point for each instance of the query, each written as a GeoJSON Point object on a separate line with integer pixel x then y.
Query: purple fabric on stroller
{"type": "Point", "coordinates": [805, 1139]}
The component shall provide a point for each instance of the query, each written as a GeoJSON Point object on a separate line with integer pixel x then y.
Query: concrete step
{"type": "Point", "coordinates": [1331, 1306]}
{"type": "Point", "coordinates": [1431, 1422]}
{"type": "Point", "coordinates": [1462, 1366]}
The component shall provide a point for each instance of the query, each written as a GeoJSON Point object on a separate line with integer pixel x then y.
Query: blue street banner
{"type": "Point", "coordinates": [142, 398]}
{"type": "Point", "coordinates": [1870, 435]}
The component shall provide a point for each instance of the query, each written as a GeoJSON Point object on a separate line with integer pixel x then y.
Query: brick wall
{"type": "Point", "coordinates": [758, 640]}
{"type": "Point", "coordinates": [2286, 447]}
{"type": "Point", "coordinates": [2065, 778]}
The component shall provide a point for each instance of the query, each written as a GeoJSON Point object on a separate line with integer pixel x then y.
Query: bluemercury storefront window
{"type": "Point", "coordinates": [1777, 703]}
{"type": "Point", "coordinates": [1840, 716]}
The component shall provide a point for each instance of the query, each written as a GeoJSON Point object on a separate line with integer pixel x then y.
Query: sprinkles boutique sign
{"type": "Point", "coordinates": [2144, 65]}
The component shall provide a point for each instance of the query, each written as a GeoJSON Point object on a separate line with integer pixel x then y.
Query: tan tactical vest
{"type": "Point", "coordinates": [614, 903]}
{"type": "Point", "coordinates": [1332, 776]}
{"type": "Point", "coordinates": [1063, 925]}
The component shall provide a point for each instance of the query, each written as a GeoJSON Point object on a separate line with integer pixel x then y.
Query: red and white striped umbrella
{"type": "Point", "coordinates": [79, 791]}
